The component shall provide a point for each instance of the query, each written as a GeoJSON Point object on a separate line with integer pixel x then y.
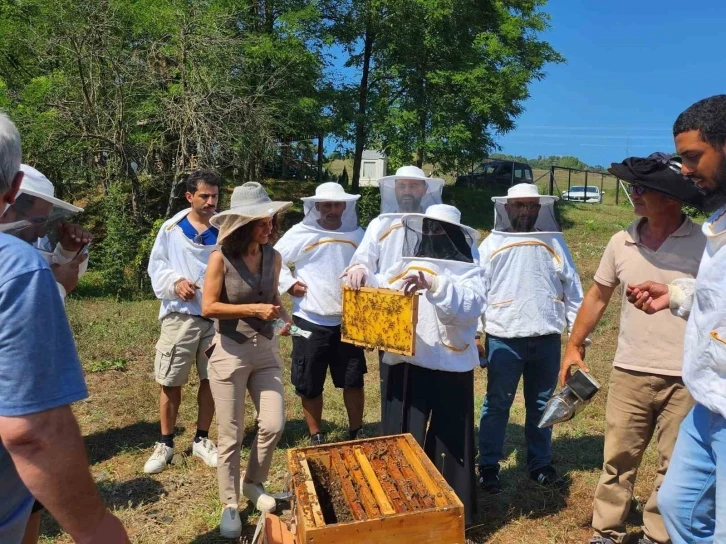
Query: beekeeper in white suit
{"type": "Point", "coordinates": [408, 191]}
{"type": "Point", "coordinates": [533, 294]}
{"type": "Point", "coordinates": [42, 220]}
{"type": "Point", "coordinates": [320, 248]}
{"type": "Point", "coordinates": [431, 394]}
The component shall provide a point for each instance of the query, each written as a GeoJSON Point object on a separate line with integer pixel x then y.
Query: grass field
{"type": "Point", "coordinates": [120, 420]}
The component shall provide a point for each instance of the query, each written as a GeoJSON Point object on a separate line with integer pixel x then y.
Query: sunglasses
{"type": "Point", "coordinates": [635, 189]}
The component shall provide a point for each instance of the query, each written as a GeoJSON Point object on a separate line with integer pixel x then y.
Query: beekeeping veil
{"type": "Point", "coordinates": [530, 217]}
{"type": "Point", "coordinates": [317, 212]}
{"type": "Point", "coordinates": [36, 214]}
{"type": "Point", "coordinates": [409, 191]}
{"type": "Point", "coordinates": [439, 235]}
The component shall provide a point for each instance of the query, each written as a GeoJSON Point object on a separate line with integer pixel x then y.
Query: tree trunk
{"type": "Point", "coordinates": [422, 138]}
{"type": "Point", "coordinates": [360, 121]}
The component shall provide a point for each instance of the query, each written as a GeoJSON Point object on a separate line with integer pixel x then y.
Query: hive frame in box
{"type": "Point", "coordinates": [379, 519]}
{"type": "Point", "coordinates": [381, 319]}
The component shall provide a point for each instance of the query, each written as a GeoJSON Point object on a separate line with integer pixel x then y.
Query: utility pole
{"type": "Point", "coordinates": [627, 146]}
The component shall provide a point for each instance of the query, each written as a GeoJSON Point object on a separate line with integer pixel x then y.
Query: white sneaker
{"type": "Point", "coordinates": [206, 451]}
{"type": "Point", "coordinates": [257, 495]}
{"type": "Point", "coordinates": [230, 526]}
{"type": "Point", "coordinates": [159, 459]}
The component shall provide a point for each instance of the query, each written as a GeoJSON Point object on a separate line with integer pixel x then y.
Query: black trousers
{"type": "Point", "coordinates": [437, 408]}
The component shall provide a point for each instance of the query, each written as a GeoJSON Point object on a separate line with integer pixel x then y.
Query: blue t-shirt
{"type": "Point", "coordinates": [207, 238]}
{"type": "Point", "coordinates": [39, 366]}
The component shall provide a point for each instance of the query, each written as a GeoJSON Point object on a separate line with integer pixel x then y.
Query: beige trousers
{"type": "Point", "coordinates": [638, 405]}
{"type": "Point", "coordinates": [233, 369]}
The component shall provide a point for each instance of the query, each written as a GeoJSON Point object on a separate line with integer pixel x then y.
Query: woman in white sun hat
{"type": "Point", "coordinates": [320, 249]}
{"type": "Point", "coordinates": [41, 219]}
{"type": "Point", "coordinates": [241, 294]}
{"type": "Point", "coordinates": [431, 394]}
{"type": "Point", "coordinates": [533, 294]}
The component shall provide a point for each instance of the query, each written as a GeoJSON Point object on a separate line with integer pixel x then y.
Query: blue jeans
{"type": "Point", "coordinates": [538, 359]}
{"type": "Point", "coordinates": [692, 499]}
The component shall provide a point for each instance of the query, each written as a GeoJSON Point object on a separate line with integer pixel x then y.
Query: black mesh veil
{"type": "Point", "coordinates": [430, 238]}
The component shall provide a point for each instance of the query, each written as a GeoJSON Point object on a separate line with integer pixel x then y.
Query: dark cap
{"type": "Point", "coordinates": [659, 172]}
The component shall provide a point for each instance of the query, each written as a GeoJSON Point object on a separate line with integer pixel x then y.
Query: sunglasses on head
{"type": "Point", "coordinates": [635, 189]}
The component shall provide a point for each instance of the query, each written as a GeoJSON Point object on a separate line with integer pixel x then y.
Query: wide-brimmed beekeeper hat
{"type": "Point", "coordinates": [37, 185]}
{"type": "Point", "coordinates": [441, 212]}
{"type": "Point", "coordinates": [525, 190]}
{"type": "Point", "coordinates": [250, 202]}
{"type": "Point", "coordinates": [330, 192]}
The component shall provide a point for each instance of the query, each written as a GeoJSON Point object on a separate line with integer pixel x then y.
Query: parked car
{"type": "Point", "coordinates": [500, 173]}
{"type": "Point", "coordinates": [577, 194]}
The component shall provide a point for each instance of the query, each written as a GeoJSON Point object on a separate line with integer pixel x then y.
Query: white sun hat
{"type": "Point", "coordinates": [330, 192]}
{"type": "Point", "coordinates": [525, 190]}
{"type": "Point", "coordinates": [249, 202]}
{"type": "Point", "coordinates": [37, 185]}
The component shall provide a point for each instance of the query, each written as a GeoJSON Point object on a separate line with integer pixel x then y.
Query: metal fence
{"type": "Point", "coordinates": [561, 182]}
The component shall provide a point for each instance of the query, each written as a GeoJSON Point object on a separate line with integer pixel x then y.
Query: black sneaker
{"type": "Point", "coordinates": [356, 435]}
{"type": "Point", "coordinates": [547, 477]}
{"type": "Point", "coordinates": [489, 480]}
{"type": "Point", "coordinates": [317, 439]}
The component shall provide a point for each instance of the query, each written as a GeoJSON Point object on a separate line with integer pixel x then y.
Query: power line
{"type": "Point", "coordinates": [559, 127]}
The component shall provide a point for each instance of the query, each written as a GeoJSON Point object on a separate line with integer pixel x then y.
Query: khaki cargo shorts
{"type": "Point", "coordinates": [183, 340]}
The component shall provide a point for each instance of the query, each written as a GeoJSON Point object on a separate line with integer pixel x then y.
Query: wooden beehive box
{"type": "Point", "coordinates": [372, 491]}
{"type": "Point", "coordinates": [380, 319]}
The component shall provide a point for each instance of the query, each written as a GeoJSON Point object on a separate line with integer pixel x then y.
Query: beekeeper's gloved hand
{"type": "Point", "coordinates": [356, 277]}
{"type": "Point", "coordinates": [415, 281]}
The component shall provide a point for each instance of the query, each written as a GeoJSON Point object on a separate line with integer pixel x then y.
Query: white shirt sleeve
{"type": "Point", "coordinates": [461, 301]}
{"type": "Point", "coordinates": [572, 288]}
{"type": "Point", "coordinates": [163, 276]}
{"type": "Point", "coordinates": [290, 253]}
{"type": "Point", "coordinates": [681, 292]}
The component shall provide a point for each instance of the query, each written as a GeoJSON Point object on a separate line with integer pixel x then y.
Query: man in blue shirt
{"type": "Point", "coordinates": [41, 449]}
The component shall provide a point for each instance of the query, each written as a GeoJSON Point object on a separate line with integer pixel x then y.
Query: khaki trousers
{"type": "Point", "coordinates": [233, 369]}
{"type": "Point", "coordinates": [638, 405]}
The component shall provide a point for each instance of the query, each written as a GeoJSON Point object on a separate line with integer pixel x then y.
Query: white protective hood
{"type": "Point", "coordinates": [387, 185]}
{"type": "Point", "coordinates": [331, 192]}
{"type": "Point", "coordinates": [546, 219]}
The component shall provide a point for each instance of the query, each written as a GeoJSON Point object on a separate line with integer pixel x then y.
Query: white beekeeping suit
{"type": "Point", "coordinates": [533, 288]}
{"type": "Point", "coordinates": [383, 241]}
{"type": "Point", "coordinates": [320, 255]}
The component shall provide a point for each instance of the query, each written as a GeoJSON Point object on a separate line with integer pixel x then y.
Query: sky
{"type": "Point", "coordinates": [632, 67]}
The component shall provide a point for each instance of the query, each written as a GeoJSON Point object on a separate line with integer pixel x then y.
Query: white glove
{"type": "Point", "coordinates": [414, 281]}
{"type": "Point", "coordinates": [356, 277]}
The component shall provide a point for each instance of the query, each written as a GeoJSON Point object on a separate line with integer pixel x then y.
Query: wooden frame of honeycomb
{"type": "Point", "coordinates": [381, 319]}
